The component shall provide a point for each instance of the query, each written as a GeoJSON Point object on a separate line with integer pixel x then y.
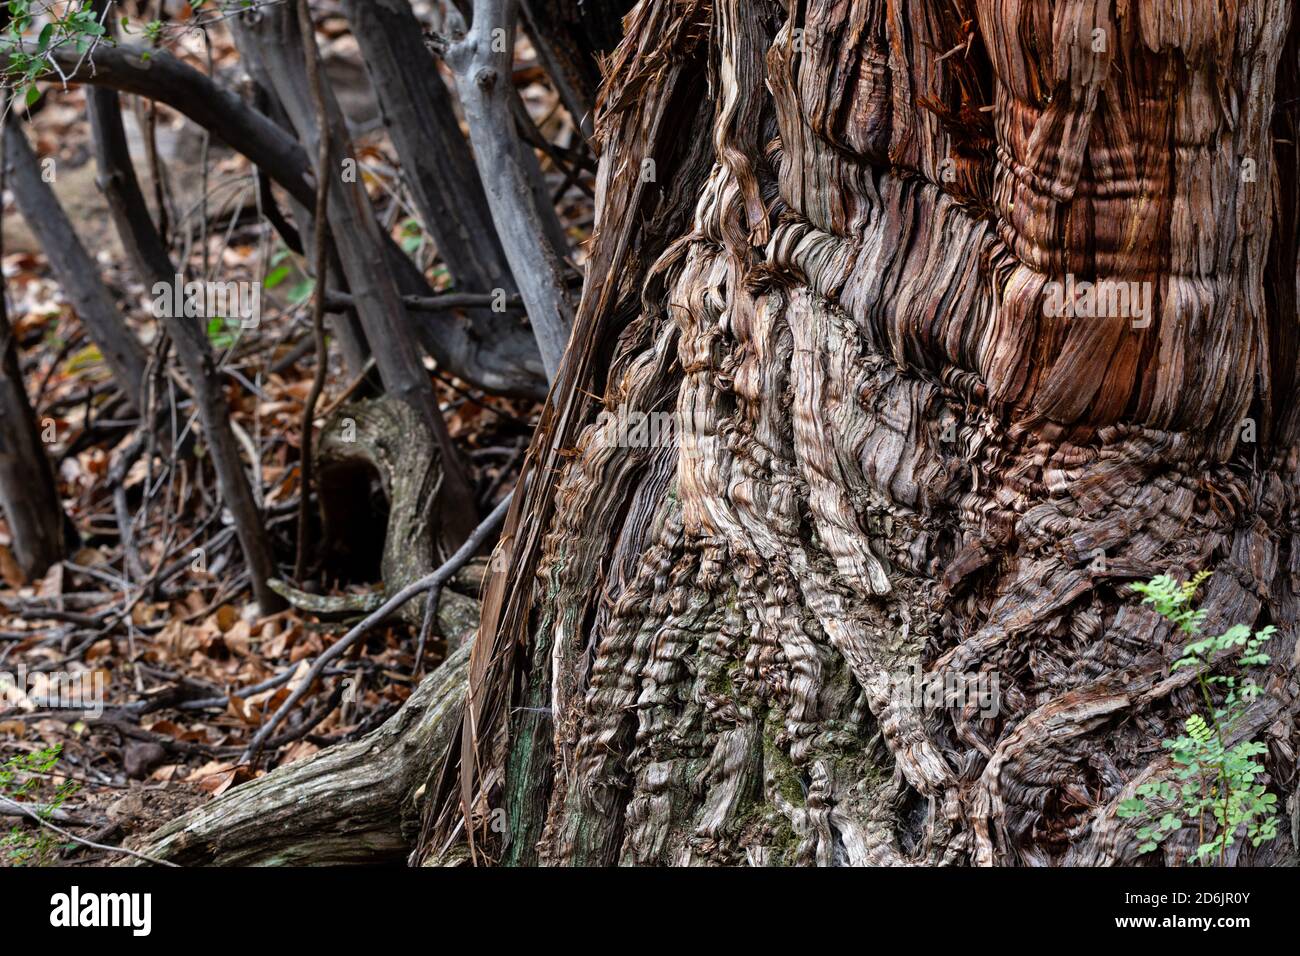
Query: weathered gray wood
{"type": "Point", "coordinates": [387, 438]}
{"type": "Point", "coordinates": [482, 60]}
{"type": "Point", "coordinates": [437, 162]}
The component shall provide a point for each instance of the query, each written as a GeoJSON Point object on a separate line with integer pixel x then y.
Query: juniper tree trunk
{"type": "Point", "coordinates": [828, 233]}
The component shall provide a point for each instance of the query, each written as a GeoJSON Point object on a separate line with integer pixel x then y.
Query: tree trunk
{"type": "Point", "coordinates": [27, 490]}
{"type": "Point", "coordinates": [74, 268]}
{"type": "Point", "coordinates": [886, 456]}
{"type": "Point", "coordinates": [481, 60]}
{"type": "Point", "coordinates": [820, 435]}
{"type": "Point", "coordinates": [421, 118]}
{"type": "Point", "coordinates": [570, 37]}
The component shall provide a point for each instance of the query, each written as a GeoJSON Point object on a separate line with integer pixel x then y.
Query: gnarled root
{"type": "Point", "coordinates": [353, 803]}
{"type": "Point", "coordinates": [382, 437]}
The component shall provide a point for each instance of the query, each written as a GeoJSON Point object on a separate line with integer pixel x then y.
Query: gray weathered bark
{"type": "Point", "coordinates": [421, 119]}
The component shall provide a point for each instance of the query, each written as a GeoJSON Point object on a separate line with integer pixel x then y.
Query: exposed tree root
{"type": "Point", "coordinates": [382, 437]}
{"type": "Point", "coordinates": [354, 803]}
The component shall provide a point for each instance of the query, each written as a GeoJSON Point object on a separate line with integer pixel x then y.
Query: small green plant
{"type": "Point", "coordinates": [284, 267]}
{"type": "Point", "coordinates": [24, 779]}
{"type": "Point", "coordinates": [1217, 781]}
{"type": "Point", "coordinates": [75, 25]}
{"type": "Point", "coordinates": [221, 332]}
{"type": "Point", "coordinates": [412, 236]}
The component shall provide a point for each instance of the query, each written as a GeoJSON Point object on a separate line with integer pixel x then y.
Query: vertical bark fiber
{"type": "Point", "coordinates": [887, 454]}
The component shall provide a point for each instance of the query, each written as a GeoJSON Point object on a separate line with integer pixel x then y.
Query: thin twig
{"type": "Point", "coordinates": [435, 579]}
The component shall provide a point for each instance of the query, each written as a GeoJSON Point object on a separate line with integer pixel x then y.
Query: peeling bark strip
{"type": "Point", "coordinates": [891, 456]}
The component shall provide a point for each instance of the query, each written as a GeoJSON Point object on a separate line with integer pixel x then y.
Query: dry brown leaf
{"type": "Point", "coordinates": [101, 648]}
{"type": "Point", "coordinates": [225, 618]}
{"type": "Point", "coordinates": [244, 711]}
{"type": "Point", "coordinates": [52, 584]}
{"type": "Point", "coordinates": [299, 750]}
{"type": "Point", "coordinates": [9, 570]}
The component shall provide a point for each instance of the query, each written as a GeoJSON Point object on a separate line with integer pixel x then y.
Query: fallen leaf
{"type": "Point", "coordinates": [9, 570]}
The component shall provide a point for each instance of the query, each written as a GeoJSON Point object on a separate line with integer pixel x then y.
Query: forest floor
{"type": "Point", "coordinates": [151, 621]}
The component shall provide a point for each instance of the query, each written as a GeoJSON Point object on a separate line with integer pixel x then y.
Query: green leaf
{"type": "Point", "coordinates": [1131, 808]}
{"type": "Point", "coordinates": [276, 276]}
